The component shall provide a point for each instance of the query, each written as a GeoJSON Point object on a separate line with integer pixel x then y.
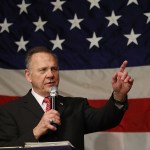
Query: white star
{"type": "Point", "coordinates": [5, 26]}
{"type": "Point", "coordinates": [94, 3]}
{"type": "Point", "coordinates": [58, 4]}
{"type": "Point", "coordinates": [75, 22]}
{"type": "Point", "coordinates": [132, 1]}
{"type": "Point", "coordinates": [148, 15]}
{"type": "Point", "coordinates": [132, 37]}
{"type": "Point", "coordinates": [23, 7]}
{"type": "Point", "coordinates": [113, 19]}
{"type": "Point", "coordinates": [21, 44]}
{"type": "Point", "coordinates": [39, 24]}
{"type": "Point", "coordinates": [57, 43]}
{"type": "Point", "coordinates": [94, 40]}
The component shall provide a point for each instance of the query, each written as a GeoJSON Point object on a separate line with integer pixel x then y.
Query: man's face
{"type": "Point", "coordinates": [43, 73]}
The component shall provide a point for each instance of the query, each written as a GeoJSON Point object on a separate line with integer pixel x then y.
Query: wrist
{"type": "Point", "coordinates": [120, 102]}
{"type": "Point", "coordinates": [36, 133]}
{"type": "Point", "coordinates": [118, 97]}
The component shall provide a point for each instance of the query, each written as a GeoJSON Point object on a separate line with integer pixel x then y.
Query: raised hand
{"type": "Point", "coordinates": [121, 82]}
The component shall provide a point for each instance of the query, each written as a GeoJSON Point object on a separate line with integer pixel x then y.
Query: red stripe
{"type": "Point", "coordinates": [136, 118]}
{"type": "Point", "coordinates": [5, 99]}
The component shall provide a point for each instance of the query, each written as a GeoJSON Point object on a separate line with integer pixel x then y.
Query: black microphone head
{"type": "Point", "coordinates": [53, 91]}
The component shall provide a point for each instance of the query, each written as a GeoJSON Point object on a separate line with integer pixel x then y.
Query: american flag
{"type": "Point", "coordinates": [91, 39]}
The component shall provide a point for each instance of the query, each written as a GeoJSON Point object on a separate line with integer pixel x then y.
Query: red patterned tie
{"type": "Point", "coordinates": [47, 101]}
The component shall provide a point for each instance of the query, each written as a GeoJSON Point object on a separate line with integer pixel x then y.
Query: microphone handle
{"type": "Point", "coordinates": [53, 106]}
{"type": "Point", "coordinates": [53, 103]}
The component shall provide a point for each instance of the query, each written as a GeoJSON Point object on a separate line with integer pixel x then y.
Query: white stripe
{"type": "Point", "coordinates": [117, 141]}
{"type": "Point", "coordinates": [13, 83]}
{"type": "Point", "coordinates": [93, 84]}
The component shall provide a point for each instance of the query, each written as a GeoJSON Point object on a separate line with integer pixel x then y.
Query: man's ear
{"type": "Point", "coordinates": [28, 75]}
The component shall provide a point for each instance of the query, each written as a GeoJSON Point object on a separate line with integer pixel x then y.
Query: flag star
{"type": "Point", "coordinates": [75, 22]}
{"type": "Point", "coordinates": [113, 19]}
{"type": "Point", "coordinates": [94, 40]}
{"type": "Point", "coordinates": [39, 24]}
{"type": "Point", "coordinates": [5, 25]}
{"type": "Point", "coordinates": [57, 43]}
{"type": "Point", "coordinates": [148, 15]}
{"type": "Point", "coordinates": [58, 4]}
{"type": "Point", "coordinates": [23, 7]}
{"type": "Point", "coordinates": [132, 37]}
{"type": "Point", "coordinates": [94, 3]}
{"type": "Point", "coordinates": [132, 1]}
{"type": "Point", "coordinates": [21, 44]}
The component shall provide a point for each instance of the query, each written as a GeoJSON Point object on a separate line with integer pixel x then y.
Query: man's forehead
{"type": "Point", "coordinates": [41, 58]}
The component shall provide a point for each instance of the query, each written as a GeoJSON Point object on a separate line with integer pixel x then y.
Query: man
{"type": "Point", "coordinates": [26, 119]}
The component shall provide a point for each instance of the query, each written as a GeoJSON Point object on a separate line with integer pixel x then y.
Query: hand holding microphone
{"type": "Point", "coordinates": [50, 119]}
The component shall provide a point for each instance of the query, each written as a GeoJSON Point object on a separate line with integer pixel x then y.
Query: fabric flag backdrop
{"type": "Point", "coordinates": [91, 39]}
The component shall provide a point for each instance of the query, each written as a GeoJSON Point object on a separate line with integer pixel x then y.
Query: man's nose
{"type": "Point", "coordinates": [50, 73]}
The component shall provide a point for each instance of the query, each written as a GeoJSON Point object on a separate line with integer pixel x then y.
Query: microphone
{"type": "Point", "coordinates": [53, 95]}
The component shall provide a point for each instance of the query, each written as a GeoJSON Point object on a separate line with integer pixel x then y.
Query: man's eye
{"type": "Point", "coordinates": [54, 69]}
{"type": "Point", "coordinates": [43, 69]}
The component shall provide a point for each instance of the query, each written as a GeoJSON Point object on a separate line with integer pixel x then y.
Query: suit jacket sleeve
{"type": "Point", "coordinates": [103, 118]}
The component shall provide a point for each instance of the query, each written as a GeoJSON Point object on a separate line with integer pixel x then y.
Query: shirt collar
{"type": "Point", "coordinates": [38, 97]}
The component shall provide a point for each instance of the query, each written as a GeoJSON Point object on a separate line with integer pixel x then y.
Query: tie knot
{"type": "Point", "coordinates": [47, 101]}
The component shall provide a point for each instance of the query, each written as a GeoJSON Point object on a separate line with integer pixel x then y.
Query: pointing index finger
{"type": "Point", "coordinates": [123, 66]}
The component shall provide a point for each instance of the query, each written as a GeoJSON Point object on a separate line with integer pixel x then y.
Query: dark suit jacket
{"type": "Point", "coordinates": [19, 117]}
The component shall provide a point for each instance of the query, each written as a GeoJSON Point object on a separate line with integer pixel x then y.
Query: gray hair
{"type": "Point", "coordinates": [35, 50]}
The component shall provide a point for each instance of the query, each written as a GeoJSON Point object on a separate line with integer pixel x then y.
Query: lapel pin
{"type": "Point", "coordinates": [61, 104]}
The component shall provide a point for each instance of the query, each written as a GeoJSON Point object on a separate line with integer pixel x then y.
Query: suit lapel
{"type": "Point", "coordinates": [32, 105]}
